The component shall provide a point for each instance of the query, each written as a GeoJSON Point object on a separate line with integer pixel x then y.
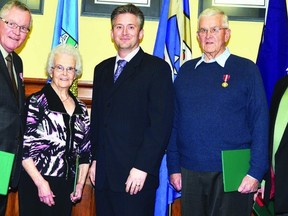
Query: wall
{"type": "Point", "coordinates": [95, 43]}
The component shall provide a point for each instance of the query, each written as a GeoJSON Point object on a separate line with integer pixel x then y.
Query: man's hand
{"type": "Point", "coordinates": [248, 185]}
{"type": "Point", "coordinates": [176, 181]}
{"type": "Point", "coordinates": [135, 181]}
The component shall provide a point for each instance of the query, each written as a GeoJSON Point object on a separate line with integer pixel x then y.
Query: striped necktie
{"type": "Point", "coordinates": [121, 64]}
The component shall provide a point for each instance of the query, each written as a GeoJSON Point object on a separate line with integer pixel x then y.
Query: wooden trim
{"type": "Point", "coordinates": [33, 85]}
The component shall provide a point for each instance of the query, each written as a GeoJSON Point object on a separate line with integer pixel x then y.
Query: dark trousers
{"type": "Point", "coordinates": [109, 203]}
{"type": "Point", "coordinates": [203, 195]}
{"type": "Point", "coordinates": [3, 203]}
{"type": "Point", "coordinates": [29, 202]}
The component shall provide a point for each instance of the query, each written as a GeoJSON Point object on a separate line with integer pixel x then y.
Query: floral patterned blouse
{"type": "Point", "coordinates": [53, 138]}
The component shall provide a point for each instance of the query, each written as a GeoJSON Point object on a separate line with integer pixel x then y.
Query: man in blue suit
{"type": "Point", "coordinates": [131, 120]}
{"type": "Point", "coordinates": [15, 24]}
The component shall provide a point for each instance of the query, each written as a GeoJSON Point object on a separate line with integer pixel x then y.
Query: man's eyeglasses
{"type": "Point", "coordinates": [214, 30]}
{"type": "Point", "coordinates": [60, 69]}
{"type": "Point", "coordinates": [14, 26]}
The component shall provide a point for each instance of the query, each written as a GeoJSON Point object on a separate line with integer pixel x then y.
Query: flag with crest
{"type": "Point", "coordinates": [173, 43]}
{"type": "Point", "coordinates": [66, 28]}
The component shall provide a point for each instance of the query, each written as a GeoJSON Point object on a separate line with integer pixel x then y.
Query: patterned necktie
{"type": "Point", "coordinates": [11, 74]}
{"type": "Point", "coordinates": [121, 64]}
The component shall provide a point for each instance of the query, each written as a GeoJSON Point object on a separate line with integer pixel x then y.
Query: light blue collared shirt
{"type": "Point", "coordinates": [221, 59]}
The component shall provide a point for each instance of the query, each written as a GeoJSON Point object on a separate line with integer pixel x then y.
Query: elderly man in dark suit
{"type": "Point", "coordinates": [131, 120]}
{"type": "Point", "coordinates": [15, 24]}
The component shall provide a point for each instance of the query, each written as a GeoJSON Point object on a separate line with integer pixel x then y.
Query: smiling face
{"type": "Point", "coordinates": [61, 74]}
{"type": "Point", "coordinates": [126, 33]}
{"type": "Point", "coordinates": [213, 43]}
{"type": "Point", "coordinates": [11, 38]}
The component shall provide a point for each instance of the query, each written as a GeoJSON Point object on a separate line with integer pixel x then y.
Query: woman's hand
{"type": "Point", "coordinates": [77, 194]}
{"type": "Point", "coordinates": [45, 194]}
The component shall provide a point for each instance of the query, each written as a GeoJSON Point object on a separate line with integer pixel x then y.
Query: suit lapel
{"type": "Point", "coordinates": [19, 76]}
{"type": "Point", "coordinates": [4, 70]}
{"type": "Point", "coordinates": [5, 74]}
{"type": "Point", "coordinates": [274, 109]}
{"type": "Point", "coordinates": [130, 69]}
{"type": "Point", "coordinates": [108, 78]}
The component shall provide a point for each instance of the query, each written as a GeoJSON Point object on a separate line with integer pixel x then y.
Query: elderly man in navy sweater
{"type": "Point", "coordinates": [220, 105]}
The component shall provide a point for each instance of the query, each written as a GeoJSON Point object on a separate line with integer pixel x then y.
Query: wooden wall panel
{"type": "Point", "coordinates": [33, 85]}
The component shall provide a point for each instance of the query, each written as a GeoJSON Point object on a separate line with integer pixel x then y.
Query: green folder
{"type": "Point", "coordinates": [235, 165]}
{"type": "Point", "coordinates": [6, 164]}
{"type": "Point", "coordinates": [76, 174]}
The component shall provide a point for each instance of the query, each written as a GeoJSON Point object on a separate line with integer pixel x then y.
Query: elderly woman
{"type": "Point", "coordinates": [55, 140]}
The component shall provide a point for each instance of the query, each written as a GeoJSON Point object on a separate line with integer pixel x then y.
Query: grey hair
{"type": "Point", "coordinates": [128, 8]}
{"type": "Point", "coordinates": [17, 4]}
{"type": "Point", "coordinates": [65, 49]}
{"type": "Point", "coordinates": [212, 11]}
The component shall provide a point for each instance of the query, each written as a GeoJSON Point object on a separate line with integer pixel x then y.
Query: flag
{"type": "Point", "coordinates": [173, 43]}
{"type": "Point", "coordinates": [272, 57]}
{"type": "Point", "coordinates": [66, 28]}
{"type": "Point", "coordinates": [66, 23]}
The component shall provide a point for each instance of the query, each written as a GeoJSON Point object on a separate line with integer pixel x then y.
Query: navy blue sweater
{"type": "Point", "coordinates": [210, 118]}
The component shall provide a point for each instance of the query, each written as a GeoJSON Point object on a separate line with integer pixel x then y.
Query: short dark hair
{"type": "Point", "coordinates": [128, 8]}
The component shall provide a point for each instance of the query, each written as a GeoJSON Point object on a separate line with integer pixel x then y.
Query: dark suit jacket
{"type": "Point", "coordinates": [131, 119]}
{"type": "Point", "coordinates": [11, 114]}
{"type": "Point", "coordinates": [281, 157]}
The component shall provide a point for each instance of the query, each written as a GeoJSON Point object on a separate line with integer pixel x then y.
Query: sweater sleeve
{"type": "Point", "coordinates": [173, 157]}
{"type": "Point", "coordinates": [258, 123]}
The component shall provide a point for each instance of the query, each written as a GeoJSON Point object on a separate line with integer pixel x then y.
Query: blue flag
{"type": "Point", "coordinates": [173, 43]}
{"type": "Point", "coordinates": [272, 57]}
{"type": "Point", "coordinates": [66, 29]}
{"type": "Point", "coordinates": [66, 23]}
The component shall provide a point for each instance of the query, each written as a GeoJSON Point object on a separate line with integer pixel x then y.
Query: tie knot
{"type": "Point", "coordinates": [9, 57]}
{"type": "Point", "coordinates": [121, 62]}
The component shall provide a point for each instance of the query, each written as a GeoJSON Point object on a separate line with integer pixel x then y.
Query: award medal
{"type": "Point", "coordinates": [226, 78]}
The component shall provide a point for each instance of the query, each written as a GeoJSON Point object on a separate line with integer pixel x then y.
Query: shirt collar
{"type": "Point", "coordinates": [129, 56]}
{"type": "Point", "coordinates": [221, 59]}
{"type": "Point", "coordinates": [3, 51]}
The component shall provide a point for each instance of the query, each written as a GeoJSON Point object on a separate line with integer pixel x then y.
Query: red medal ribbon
{"type": "Point", "coordinates": [226, 77]}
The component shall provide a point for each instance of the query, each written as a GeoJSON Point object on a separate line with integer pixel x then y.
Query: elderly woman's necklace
{"type": "Point", "coordinates": [65, 99]}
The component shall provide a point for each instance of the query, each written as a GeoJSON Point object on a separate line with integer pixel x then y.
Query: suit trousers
{"type": "Point", "coordinates": [109, 203]}
{"type": "Point", "coordinates": [203, 195]}
{"type": "Point", "coordinates": [3, 203]}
